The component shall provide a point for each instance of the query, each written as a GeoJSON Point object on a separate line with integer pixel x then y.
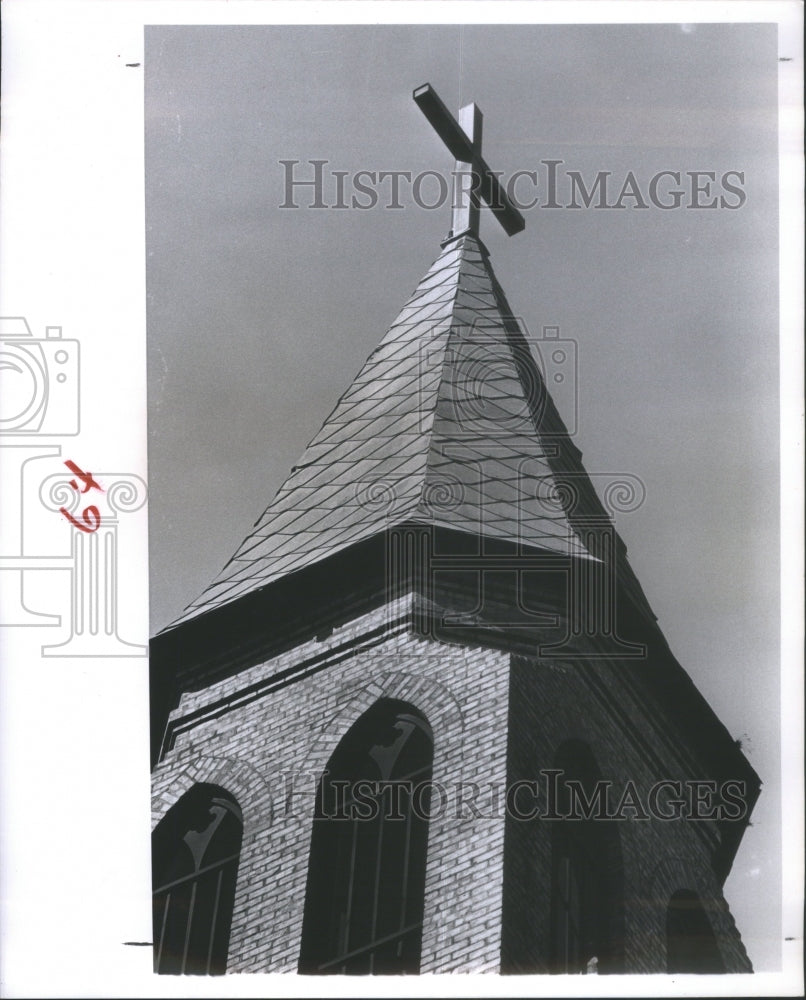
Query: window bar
{"type": "Point", "coordinates": [164, 925]}
{"type": "Point", "coordinates": [215, 918]}
{"type": "Point", "coordinates": [376, 894]}
{"type": "Point", "coordinates": [566, 875]}
{"type": "Point", "coordinates": [190, 922]}
{"type": "Point", "coordinates": [342, 959]}
{"type": "Point", "coordinates": [404, 895]}
{"type": "Point", "coordinates": [201, 871]}
{"type": "Point", "coordinates": [348, 915]}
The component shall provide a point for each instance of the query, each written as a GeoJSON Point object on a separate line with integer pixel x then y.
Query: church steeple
{"type": "Point", "coordinates": [449, 424]}
{"type": "Point", "coordinates": [452, 399]}
{"type": "Point", "coordinates": [431, 596]}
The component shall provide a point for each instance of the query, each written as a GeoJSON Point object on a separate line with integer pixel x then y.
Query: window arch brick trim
{"type": "Point", "coordinates": [436, 701]}
{"type": "Point", "coordinates": [677, 873]}
{"type": "Point", "coordinates": [237, 776]}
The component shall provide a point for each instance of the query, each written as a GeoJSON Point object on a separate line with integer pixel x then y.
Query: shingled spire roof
{"type": "Point", "coordinates": [447, 424]}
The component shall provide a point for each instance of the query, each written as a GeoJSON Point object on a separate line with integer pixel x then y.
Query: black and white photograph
{"type": "Point", "coordinates": [450, 379]}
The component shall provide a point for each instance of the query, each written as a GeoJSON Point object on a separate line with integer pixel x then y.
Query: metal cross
{"type": "Point", "coordinates": [473, 181]}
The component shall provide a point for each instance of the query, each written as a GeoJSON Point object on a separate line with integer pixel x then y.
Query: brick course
{"type": "Point", "coordinates": [496, 718]}
{"type": "Point", "coordinates": [254, 750]}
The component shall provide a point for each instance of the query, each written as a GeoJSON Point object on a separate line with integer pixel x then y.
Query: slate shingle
{"type": "Point", "coordinates": [447, 397]}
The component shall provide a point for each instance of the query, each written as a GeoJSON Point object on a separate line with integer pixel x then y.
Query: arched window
{"type": "Point", "coordinates": [691, 944]}
{"type": "Point", "coordinates": [366, 871]}
{"type": "Point", "coordinates": [194, 859]}
{"type": "Point", "coordinates": [587, 874]}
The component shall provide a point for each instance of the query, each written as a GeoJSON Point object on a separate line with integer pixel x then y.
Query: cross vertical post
{"type": "Point", "coordinates": [466, 202]}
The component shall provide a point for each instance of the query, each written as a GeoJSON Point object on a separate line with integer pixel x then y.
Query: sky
{"type": "Point", "coordinates": [259, 316]}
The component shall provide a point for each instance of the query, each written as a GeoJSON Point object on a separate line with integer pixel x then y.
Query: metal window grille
{"type": "Point", "coordinates": [366, 875]}
{"type": "Point", "coordinates": [196, 849]}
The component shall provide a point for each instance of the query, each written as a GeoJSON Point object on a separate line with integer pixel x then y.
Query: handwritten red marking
{"type": "Point", "coordinates": [85, 477]}
{"type": "Point", "coordinates": [90, 514]}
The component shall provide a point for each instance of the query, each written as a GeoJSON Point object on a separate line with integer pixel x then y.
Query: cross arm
{"type": "Point", "coordinates": [454, 137]}
{"type": "Point", "coordinates": [498, 200]}
{"type": "Point", "coordinates": [443, 122]}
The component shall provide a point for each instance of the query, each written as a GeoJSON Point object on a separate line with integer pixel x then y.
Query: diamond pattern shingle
{"type": "Point", "coordinates": [437, 428]}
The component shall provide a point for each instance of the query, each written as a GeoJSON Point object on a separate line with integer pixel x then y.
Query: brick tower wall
{"type": "Point", "coordinates": [496, 719]}
{"type": "Point", "coordinates": [269, 753]}
{"type": "Point", "coordinates": [551, 703]}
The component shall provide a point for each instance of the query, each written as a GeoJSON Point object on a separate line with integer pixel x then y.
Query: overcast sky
{"type": "Point", "coordinates": [259, 317]}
